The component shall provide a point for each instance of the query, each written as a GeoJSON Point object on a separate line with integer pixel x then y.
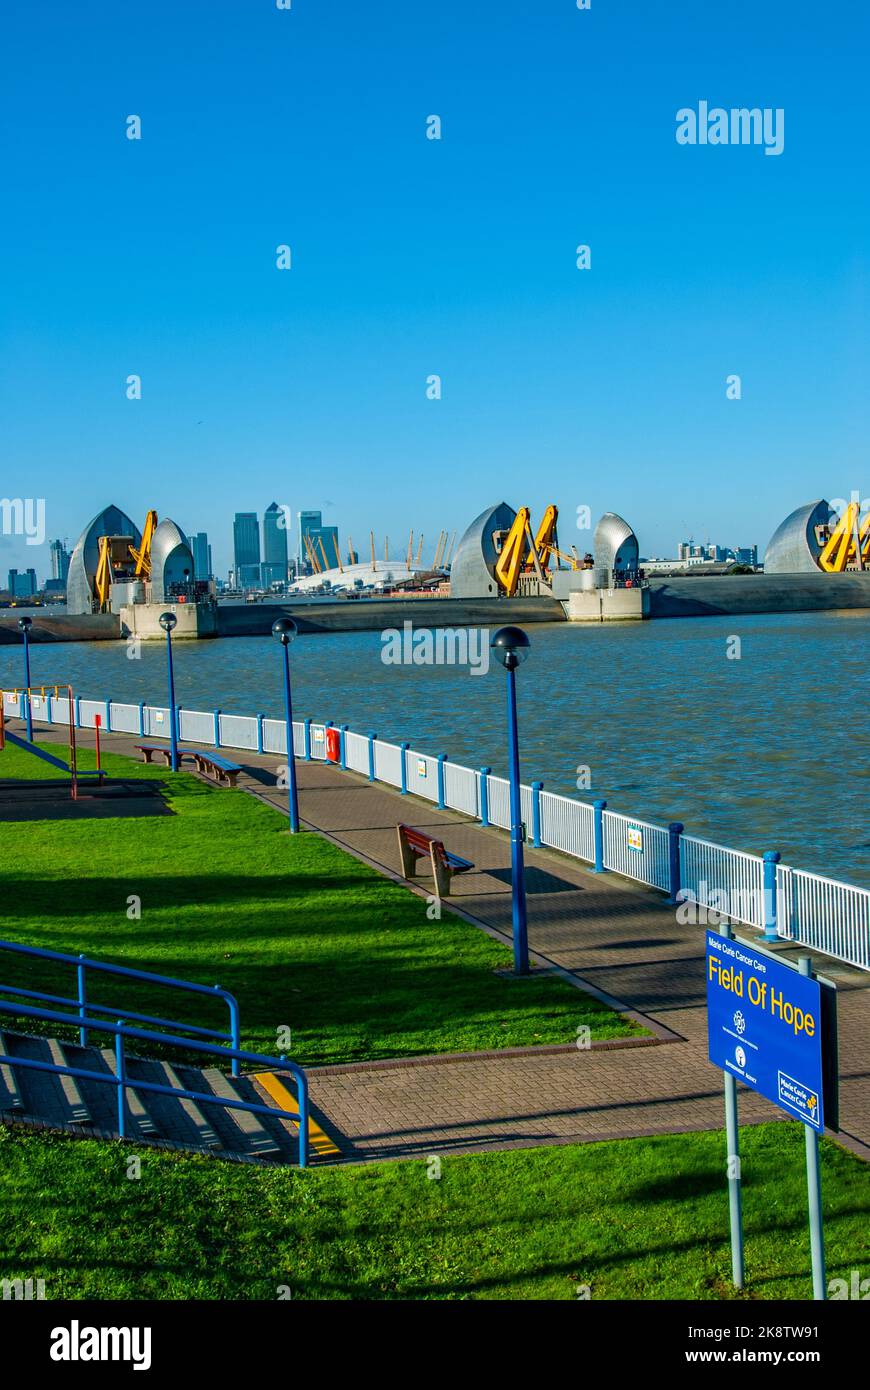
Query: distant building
{"type": "Point", "coordinates": [201, 556]}
{"type": "Point", "coordinates": [747, 555]}
{"type": "Point", "coordinates": [60, 558]}
{"type": "Point", "coordinates": [246, 550]}
{"type": "Point", "coordinates": [274, 567]}
{"type": "Point", "coordinates": [22, 585]}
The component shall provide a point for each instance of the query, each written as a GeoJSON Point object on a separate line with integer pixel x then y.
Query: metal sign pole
{"type": "Point", "coordinates": [814, 1190]}
{"type": "Point", "coordinates": [735, 1190]}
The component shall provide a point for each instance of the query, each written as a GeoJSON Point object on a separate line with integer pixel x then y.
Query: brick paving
{"type": "Point", "coordinates": [614, 937]}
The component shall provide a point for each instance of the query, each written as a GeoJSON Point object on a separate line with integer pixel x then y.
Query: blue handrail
{"type": "Point", "coordinates": [85, 963]}
{"type": "Point", "coordinates": [122, 1081]}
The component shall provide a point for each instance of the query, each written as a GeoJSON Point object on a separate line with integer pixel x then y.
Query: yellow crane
{"type": "Point", "coordinates": [118, 558]}
{"type": "Point", "coordinates": [522, 552]}
{"type": "Point", "coordinates": [848, 546]}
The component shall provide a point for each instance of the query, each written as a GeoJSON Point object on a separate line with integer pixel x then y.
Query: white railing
{"type": "Point", "coordinates": [819, 912]}
{"type": "Point", "coordinates": [636, 849]}
{"type": "Point", "coordinates": [725, 880]}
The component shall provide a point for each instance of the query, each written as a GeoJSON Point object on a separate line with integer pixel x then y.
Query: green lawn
{"type": "Point", "coordinates": [303, 934]}
{"type": "Point", "coordinates": [636, 1219]}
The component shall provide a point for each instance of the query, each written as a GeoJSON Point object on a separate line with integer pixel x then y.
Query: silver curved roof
{"type": "Point", "coordinates": [86, 553]}
{"type": "Point", "coordinates": [615, 545]}
{"type": "Point", "coordinates": [472, 573]}
{"type": "Point", "coordinates": [170, 556]}
{"type": "Point", "coordinates": [793, 548]}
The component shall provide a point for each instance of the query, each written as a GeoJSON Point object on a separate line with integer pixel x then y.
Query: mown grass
{"type": "Point", "coordinates": [303, 934]}
{"type": "Point", "coordinates": [634, 1219]}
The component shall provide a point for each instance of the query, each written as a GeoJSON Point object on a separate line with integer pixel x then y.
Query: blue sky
{"type": "Point", "coordinates": [603, 388]}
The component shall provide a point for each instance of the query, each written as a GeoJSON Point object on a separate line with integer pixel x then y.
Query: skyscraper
{"type": "Point", "coordinates": [274, 566]}
{"type": "Point", "coordinates": [201, 556]}
{"type": "Point", "coordinates": [60, 557]}
{"type": "Point", "coordinates": [246, 549]}
{"type": "Point", "coordinates": [309, 526]}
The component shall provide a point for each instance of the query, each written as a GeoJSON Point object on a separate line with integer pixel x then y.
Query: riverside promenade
{"type": "Point", "coordinates": [611, 936]}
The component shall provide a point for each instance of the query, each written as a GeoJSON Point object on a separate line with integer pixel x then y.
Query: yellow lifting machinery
{"type": "Point", "coordinates": [521, 553]}
{"type": "Point", "coordinates": [120, 558]}
{"type": "Point", "coordinates": [848, 547]}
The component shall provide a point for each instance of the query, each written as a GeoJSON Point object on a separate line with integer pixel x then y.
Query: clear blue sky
{"type": "Point", "coordinates": [413, 257]}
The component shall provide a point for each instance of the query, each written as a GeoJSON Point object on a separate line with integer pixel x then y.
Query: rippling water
{"type": "Point", "coordinates": [771, 751]}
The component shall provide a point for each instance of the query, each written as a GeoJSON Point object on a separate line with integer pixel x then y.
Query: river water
{"type": "Point", "coordinates": [759, 746]}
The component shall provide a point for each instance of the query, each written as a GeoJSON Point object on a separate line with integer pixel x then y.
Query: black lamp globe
{"type": "Point", "coordinates": [510, 646]}
{"type": "Point", "coordinates": [25, 624]}
{"type": "Point", "coordinates": [167, 621]}
{"type": "Point", "coordinates": [284, 630]}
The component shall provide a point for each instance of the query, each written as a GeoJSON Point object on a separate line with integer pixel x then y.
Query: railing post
{"type": "Point", "coordinates": [178, 724]}
{"type": "Point", "coordinates": [83, 1001]}
{"type": "Point", "coordinates": [302, 1094]}
{"type": "Point", "coordinates": [537, 788]}
{"type": "Point", "coordinates": [403, 749]}
{"type": "Point", "coordinates": [108, 705]}
{"type": "Point", "coordinates": [306, 729]}
{"type": "Point", "coordinates": [675, 830]}
{"type": "Point", "coordinates": [78, 711]}
{"type": "Point", "coordinates": [442, 759]}
{"type": "Point", "coordinates": [372, 738]}
{"type": "Point", "coordinates": [260, 718]}
{"type": "Point", "coordinates": [598, 808]}
{"type": "Point", "coordinates": [121, 1072]}
{"type": "Point", "coordinates": [342, 746]}
{"type": "Point", "coordinates": [235, 1029]}
{"type": "Point", "coordinates": [216, 716]}
{"type": "Point", "coordinates": [484, 795]}
{"type": "Point", "coordinates": [771, 859]}
{"type": "Point", "coordinates": [141, 718]}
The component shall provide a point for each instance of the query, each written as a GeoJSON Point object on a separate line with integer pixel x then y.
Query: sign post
{"type": "Point", "coordinates": [773, 1028]}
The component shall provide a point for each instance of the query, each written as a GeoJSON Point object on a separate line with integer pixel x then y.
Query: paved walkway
{"type": "Point", "coordinates": [615, 937]}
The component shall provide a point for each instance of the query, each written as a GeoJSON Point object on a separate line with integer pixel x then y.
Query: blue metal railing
{"type": "Point", "coordinates": [120, 1030]}
{"type": "Point", "coordinates": [84, 963]}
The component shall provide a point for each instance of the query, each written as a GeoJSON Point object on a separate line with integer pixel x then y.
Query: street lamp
{"type": "Point", "coordinates": [167, 621]}
{"type": "Point", "coordinates": [25, 624]}
{"type": "Point", "coordinates": [284, 630]}
{"type": "Point", "coordinates": [511, 646]}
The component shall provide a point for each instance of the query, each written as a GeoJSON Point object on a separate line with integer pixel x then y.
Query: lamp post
{"type": "Point", "coordinates": [511, 646]}
{"type": "Point", "coordinates": [25, 624]}
{"type": "Point", "coordinates": [284, 630]}
{"type": "Point", "coordinates": [167, 621]}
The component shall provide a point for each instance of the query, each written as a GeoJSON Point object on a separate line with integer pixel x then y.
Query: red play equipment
{"type": "Point", "coordinates": [58, 692]}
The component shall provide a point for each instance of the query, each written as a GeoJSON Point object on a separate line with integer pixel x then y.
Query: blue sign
{"type": "Point", "coordinates": [764, 1023]}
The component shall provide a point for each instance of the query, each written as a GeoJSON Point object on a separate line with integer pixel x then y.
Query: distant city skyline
{"type": "Point", "coordinates": [437, 343]}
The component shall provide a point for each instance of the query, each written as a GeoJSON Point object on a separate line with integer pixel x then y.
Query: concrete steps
{"type": "Point", "coordinates": [86, 1106]}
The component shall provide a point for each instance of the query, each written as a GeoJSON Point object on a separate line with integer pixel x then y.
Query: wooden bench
{"type": "Point", "coordinates": [210, 765]}
{"type": "Point", "coordinates": [414, 845]}
{"type": "Point", "coordinates": [149, 749]}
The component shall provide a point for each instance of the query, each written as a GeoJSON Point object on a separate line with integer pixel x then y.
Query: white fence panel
{"type": "Point", "coordinates": [40, 709]}
{"type": "Point", "coordinates": [197, 726]}
{"type": "Point", "coordinates": [275, 736]}
{"type": "Point", "coordinates": [636, 849]}
{"type": "Point", "coordinates": [125, 718]}
{"type": "Point", "coordinates": [88, 709]}
{"type": "Point", "coordinates": [238, 731]}
{"type": "Point", "coordinates": [59, 711]}
{"type": "Point", "coordinates": [823, 914]}
{"type": "Point", "coordinates": [500, 805]}
{"type": "Point", "coordinates": [388, 763]}
{"type": "Point", "coordinates": [318, 742]}
{"type": "Point", "coordinates": [422, 774]}
{"type": "Point", "coordinates": [461, 789]}
{"type": "Point", "coordinates": [356, 752]}
{"type": "Point", "coordinates": [724, 879]}
{"type": "Point", "coordinates": [568, 825]}
{"type": "Point", "coordinates": [156, 721]}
